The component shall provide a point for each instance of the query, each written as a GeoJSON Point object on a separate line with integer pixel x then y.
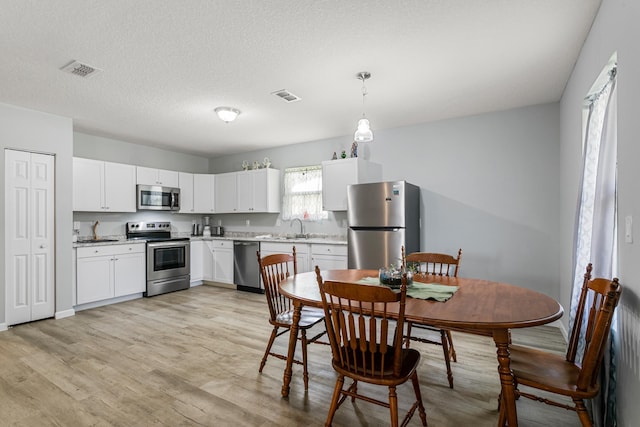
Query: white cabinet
{"type": "Point", "coordinates": [218, 261]}
{"type": "Point", "coordinates": [226, 197]}
{"type": "Point", "coordinates": [258, 190]}
{"type": "Point", "coordinates": [329, 257]}
{"type": "Point", "coordinates": [203, 193]}
{"type": "Point", "coordinates": [103, 186]}
{"type": "Point", "coordinates": [104, 272]}
{"type": "Point", "coordinates": [197, 261]}
{"type": "Point", "coordinates": [337, 174]}
{"type": "Point", "coordinates": [152, 176]}
{"type": "Point", "coordinates": [185, 182]}
{"type": "Point", "coordinates": [302, 252]}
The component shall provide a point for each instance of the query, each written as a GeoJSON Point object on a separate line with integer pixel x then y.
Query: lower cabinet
{"type": "Point", "coordinates": [329, 257]}
{"type": "Point", "coordinates": [197, 261]}
{"type": "Point", "coordinates": [218, 261]}
{"type": "Point", "coordinates": [104, 272]}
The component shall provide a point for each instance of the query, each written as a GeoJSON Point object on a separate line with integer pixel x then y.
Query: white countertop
{"type": "Point", "coordinates": [330, 240]}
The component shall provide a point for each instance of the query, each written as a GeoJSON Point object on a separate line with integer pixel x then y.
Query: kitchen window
{"type": "Point", "coordinates": [303, 194]}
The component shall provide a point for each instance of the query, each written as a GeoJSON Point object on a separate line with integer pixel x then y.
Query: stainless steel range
{"type": "Point", "coordinates": [168, 260]}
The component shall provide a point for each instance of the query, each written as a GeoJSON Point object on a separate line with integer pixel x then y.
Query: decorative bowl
{"type": "Point", "coordinates": [392, 277]}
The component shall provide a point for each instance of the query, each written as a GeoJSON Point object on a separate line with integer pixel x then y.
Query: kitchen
{"type": "Point", "coordinates": [524, 157]}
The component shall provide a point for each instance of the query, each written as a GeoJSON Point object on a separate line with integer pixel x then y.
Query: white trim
{"type": "Point", "coordinates": [558, 324]}
{"type": "Point", "coordinates": [107, 301]}
{"type": "Point", "coordinates": [65, 313]}
{"type": "Point", "coordinates": [3, 327]}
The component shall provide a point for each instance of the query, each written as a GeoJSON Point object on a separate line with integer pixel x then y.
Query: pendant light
{"type": "Point", "coordinates": [363, 132]}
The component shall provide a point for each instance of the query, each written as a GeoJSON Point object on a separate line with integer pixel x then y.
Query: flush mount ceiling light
{"type": "Point", "coordinates": [227, 114]}
{"type": "Point", "coordinates": [363, 132]}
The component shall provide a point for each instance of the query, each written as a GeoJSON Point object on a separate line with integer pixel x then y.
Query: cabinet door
{"type": "Point", "coordinates": [129, 273]}
{"type": "Point", "coordinates": [223, 270]}
{"type": "Point", "coordinates": [146, 176]}
{"type": "Point", "coordinates": [203, 192]}
{"type": "Point", "coordinates": [260, 190]}
{"type": "Point", "coordinates": [185, 181]}
{"type": "Point", "coordinates": [207, 261]}
{"type": "Point", "coordinates": [336, 175]}
{"type": "Point", "coordinates": [245, 191]}
{"type": "Point", "coordinates": [88, 185]}
{"type": "Point", "coordinates": [168, 178]}
{"type": "Point", "coordinates": [196, 259]}
{"type": "Point", "coordinates": [119, 187]}
{"type": "Point", "coordinates": [94, 279]}
{"type": "Point", "coordinates": [329, 262]}
{"type": "Point", "coordinates": [225, 192]}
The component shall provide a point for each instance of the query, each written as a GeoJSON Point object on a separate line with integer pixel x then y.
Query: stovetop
{"type": "Point", "coordinates": [151, 231]}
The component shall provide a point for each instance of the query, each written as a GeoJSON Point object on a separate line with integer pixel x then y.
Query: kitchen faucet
{"type": "Point", "coordinates": [95, 226]}
{"type": "Point", "coordinates": [301, 227]}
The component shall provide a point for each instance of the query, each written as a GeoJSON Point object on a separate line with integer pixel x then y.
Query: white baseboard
{"type": "Point", "coordinates": [65, 313]}
{"type": "Point", "coordinates": [3, 327]}
{"type": "Point", "coordinates": [558, 324]}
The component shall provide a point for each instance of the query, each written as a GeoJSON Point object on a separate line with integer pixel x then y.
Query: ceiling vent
{"type": "Point", "coordinates": [286, 95]}
{"type": "Point", "coordinates": [80, 69]}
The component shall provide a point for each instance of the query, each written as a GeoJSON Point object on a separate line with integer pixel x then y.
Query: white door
{"type": "Point", "coordinates": [29, 231]}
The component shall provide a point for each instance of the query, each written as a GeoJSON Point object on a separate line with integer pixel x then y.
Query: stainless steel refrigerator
{"type": "Point", "coordinates": [383, 217]}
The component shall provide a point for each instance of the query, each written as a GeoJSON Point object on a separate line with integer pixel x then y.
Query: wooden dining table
{"type": "Point", "coordinates": [480, 306]}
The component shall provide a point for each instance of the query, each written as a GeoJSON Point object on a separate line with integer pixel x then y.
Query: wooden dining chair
{"type": "Point", "coordinates": [428, 263]}
{"type": "Point", "coordinates": [565, 375]}
{"type": "Point", "coordinates": [273, 269]}
{"type": "Point", "coordinates": [367, 348]}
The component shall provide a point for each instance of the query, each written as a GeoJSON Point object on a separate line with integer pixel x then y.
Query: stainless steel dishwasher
{"type": "Point", "coordinates": [246, 272]}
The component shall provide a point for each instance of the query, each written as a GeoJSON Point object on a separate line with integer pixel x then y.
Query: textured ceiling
{"type": "Point", "coordinates": [167, 64]}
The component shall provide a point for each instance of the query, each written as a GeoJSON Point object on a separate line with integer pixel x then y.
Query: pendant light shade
{"type": "Point", "coordinates": [227, 114]}
{"type": "Point", "coordinates": [363, 132]}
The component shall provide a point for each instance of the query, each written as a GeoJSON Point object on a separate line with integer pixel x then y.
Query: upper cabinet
{"type": "Point", "coordinates": [203, 193]}
{"type": "Point", "coordinates": [258, 190]}
{"type": "Point", "coordinates": [337, 174]}
{"type": "Point", "coordinates": [185, 182]}
{"type": "Point", "coordinates": [248, 191]}
{"type": "Point", "coordinates": [103, 186]}
{"type": "Point", "coordinates": [226, 192]}
{"type": "Point", "coordinates": [151, 176]}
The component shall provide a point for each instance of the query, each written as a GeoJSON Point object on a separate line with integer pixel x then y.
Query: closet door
{"type": "Point", "coordinates": [29, 231]}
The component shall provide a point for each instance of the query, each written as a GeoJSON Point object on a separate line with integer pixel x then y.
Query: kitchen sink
{"type": "Point", "coordinates": [97, 240]}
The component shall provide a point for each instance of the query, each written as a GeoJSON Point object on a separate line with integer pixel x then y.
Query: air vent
{"type": "Point", "coordinates": [286, 95]}
{"type": "Point", "coordinates": [80, 69]}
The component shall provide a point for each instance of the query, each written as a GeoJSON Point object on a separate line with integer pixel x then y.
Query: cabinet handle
{"type": "Point", "coordinates": [43, 246]}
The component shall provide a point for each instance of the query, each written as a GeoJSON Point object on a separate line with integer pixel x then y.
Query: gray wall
{"type": "Point", "coordinates": [489, 186]}
{"type": "Point", "coordinates": [27, 130]}
{"type": "Point", "coordinates": [615, 29]}
{"type": "Point", "coordinates": [111, 150]}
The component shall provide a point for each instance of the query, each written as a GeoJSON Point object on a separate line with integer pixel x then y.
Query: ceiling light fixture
{"type": "Point", "coordinates": [363, 132]}
{"type": "Point", "coordinates": [227, 114]}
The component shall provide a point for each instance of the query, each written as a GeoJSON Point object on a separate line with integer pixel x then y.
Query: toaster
{"type": "Point", "coordinates": [217, 230]}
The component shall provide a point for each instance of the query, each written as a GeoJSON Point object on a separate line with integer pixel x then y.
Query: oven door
{"type": "Point", "coordinates": [168, 259]}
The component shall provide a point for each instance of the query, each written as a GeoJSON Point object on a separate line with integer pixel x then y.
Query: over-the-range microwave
{"type": "Point", "coordinates": [158, 198]}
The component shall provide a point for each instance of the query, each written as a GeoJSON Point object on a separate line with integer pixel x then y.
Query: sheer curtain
{"type": "Point", "coordinates": [302, 196]}
{"type": "Point", "coordinates": [596, 223]}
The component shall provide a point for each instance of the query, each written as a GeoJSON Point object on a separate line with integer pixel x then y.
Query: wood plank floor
{"type": "Point", "coordinates": [191, 358]}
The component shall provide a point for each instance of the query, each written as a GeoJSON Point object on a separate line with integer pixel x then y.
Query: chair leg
{"type": "Point", "coordinates": [334, 400]}
{"type": "Point", "coordinates": [502, 417]}
{"type": "Point", "coordinates": [305, 373]}
{"type": "Point", "coordinates": [452, 350]}
{"type": "Point", "coordinates": [416, 389]}
{"type": "Point", "coordinates": [582, 413]}
{"type": "Point", "coordinates": [445, 350]}
{"type": "Point", "coordinates": [407, 340]}
{"type": "Point", "coordinates": [272, 338]}
{"type": "Point", "coordinates": [393, 406]}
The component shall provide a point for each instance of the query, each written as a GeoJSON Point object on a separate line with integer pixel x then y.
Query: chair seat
{"type": "Point", "coordinates": [535, 368]}
{"type": "Point", "coordinates": [410, 360]}
{"type": "Point", "coordinates": [309, 316]}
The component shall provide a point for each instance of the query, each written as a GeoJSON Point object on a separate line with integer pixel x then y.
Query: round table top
{"type": "Point", "coordinates": [478, 304]}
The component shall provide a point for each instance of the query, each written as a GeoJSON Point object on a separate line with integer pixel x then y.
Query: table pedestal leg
{"type": "Point", "coordinates": [508, 402]}
{"type": "Point", "coordinates": [293, 339]}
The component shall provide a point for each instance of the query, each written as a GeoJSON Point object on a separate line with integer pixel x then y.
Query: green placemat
{"type": "Point", "coordinates": [420, 290]}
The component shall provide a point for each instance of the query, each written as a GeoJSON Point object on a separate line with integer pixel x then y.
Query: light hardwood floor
{"type": "Point", "coordinates": [191, 358]}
